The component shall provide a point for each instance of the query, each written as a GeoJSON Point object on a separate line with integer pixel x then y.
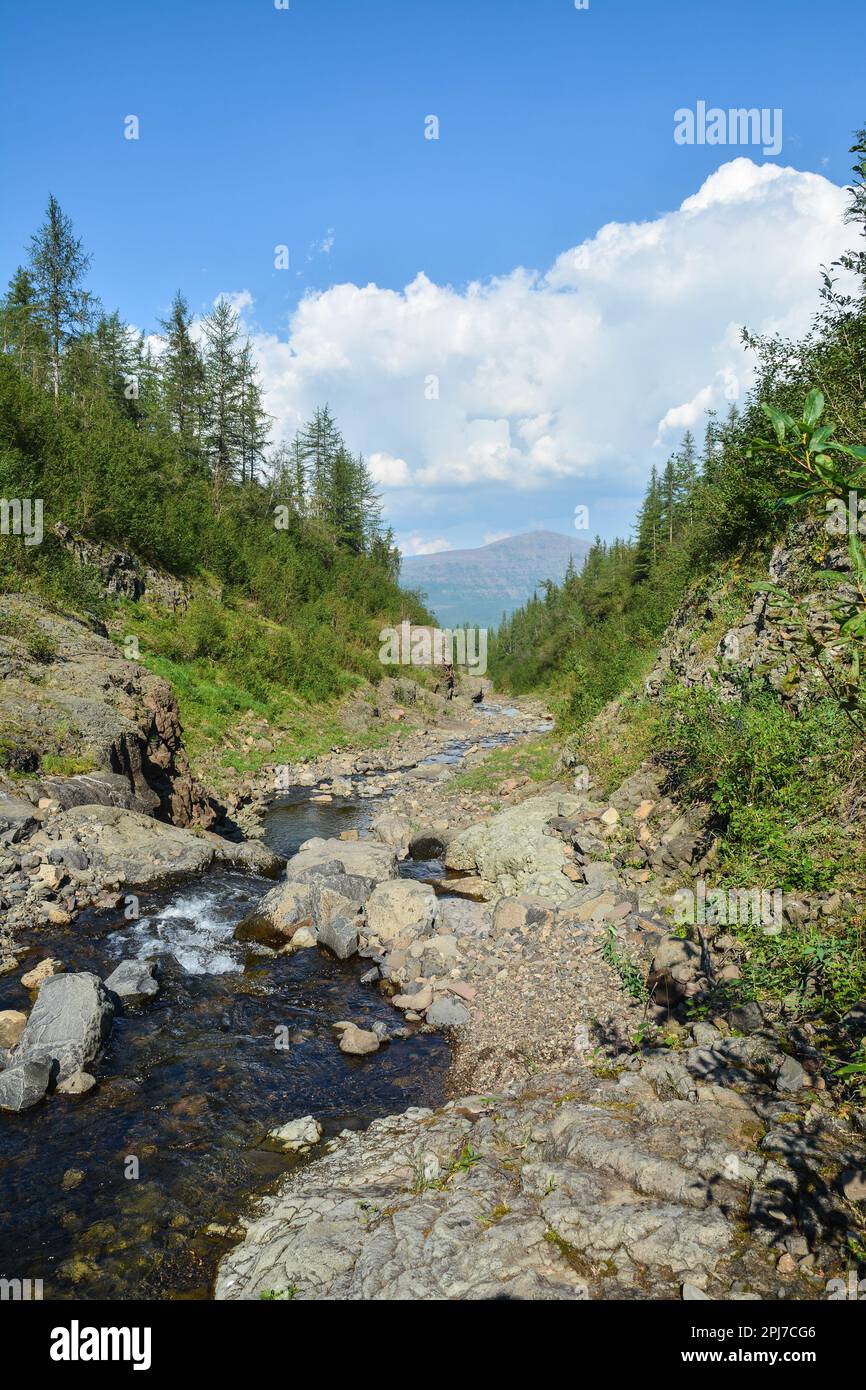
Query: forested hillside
{"type": "Point", "coordinates": [724, 642]}
{"type": "Point", "coordinates": [161, 446]}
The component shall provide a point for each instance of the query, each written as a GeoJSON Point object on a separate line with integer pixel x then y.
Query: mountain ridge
{"type": "Point", "coordinates": [478, 584]}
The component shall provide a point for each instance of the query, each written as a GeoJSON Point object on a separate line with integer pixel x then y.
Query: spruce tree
{"type": "Point", "coordinates": [58, 264]}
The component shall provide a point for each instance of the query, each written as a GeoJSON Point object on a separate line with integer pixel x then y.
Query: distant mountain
{"type": "Point", "coordinates": [478, 586]}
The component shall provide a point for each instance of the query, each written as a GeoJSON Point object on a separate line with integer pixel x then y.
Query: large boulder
{"type": "Point", "coordinates": [513, 853]}
{"type": "Point", "coordinates": [70, 1021]}
{"type": "Point", "coordinates": [366, 858]}
{"type": "Point", "coordinates": [401, 909]}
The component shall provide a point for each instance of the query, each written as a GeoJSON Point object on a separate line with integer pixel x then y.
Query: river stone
{"type": "Point", "coordinates": [134, 981]}
{"type": "Point", "coordinates": [358, 1041]}
{"type": "Point", "coordinates": [447, 1013]}
{"type": "Point", "coordinates": [70, 1020]}
{"type": "Point", "coordinates": [41, 972]}
{"type": "Point", "coordinates": [24, 1084]}
{"type": "Point", "coordinates": [340, 935]}
{"type": "Point", "coordinates": [12, 1025]}
{"type": "Point", "coordinates": [393, 830]}
{"type": "Point", "coordinates": [78, 1084]}
{"type": "Point", "coordinates": [419, 1001]}
{"type": "Point", "coordinates": [329, 903]}
{"type": "Point", "coordinates": [302, 940]}
{"type": "Point", "coordinates": [298, 1136]}
{"type": "Point", "coordinates": [402, 907]}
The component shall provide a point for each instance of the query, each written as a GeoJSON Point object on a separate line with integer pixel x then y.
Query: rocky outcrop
{"type": "Point", "coordinates": [68, 694]}
{"type": "Point", "coordinates": [724, 633]}
{"type": "Point", "coordinates": [109, 847]}
{"type": "Point", "coordinates": [678, 1172]}
{"type": "Point", "coordinates": [122, 573]}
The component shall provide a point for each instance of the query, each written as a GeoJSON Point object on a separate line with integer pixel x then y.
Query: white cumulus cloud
{"type": "Point", "coordinates": [581, 371]}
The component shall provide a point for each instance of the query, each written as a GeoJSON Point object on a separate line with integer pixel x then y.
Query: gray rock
{"type": "Point", "coordinates": [70, 1021]}
{"type": "Point", "coordinates": [134, 981]}
{"type": "Point", "coordinates": [23, 1085]}
{"type": "Point", "coordinates": [746, 1018]}
{"type": "Point", "coordinates": [340, 935]}
{"type": "Point", "coordinates": [513, 850]}
{"type": "Point", "coordinates": [791, 1076]}
{"type": "Point", "coordinates": [78, 1084]}
{"type": "Point", "coordinates": [447, 1013]}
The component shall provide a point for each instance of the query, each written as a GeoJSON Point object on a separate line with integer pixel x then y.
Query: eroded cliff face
{"type": "Point", "coordinates": [70, 703]}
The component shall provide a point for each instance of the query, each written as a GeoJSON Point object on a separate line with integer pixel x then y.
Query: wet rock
{"type": "Point", "coordinates": [340, 935]}
{"type": "Point", "coordinates": [23, 1084]}
{"type": "Point", "coordinates": [70, 1020]}
{"type": "Point", "coordinates": [358, 1042]}
{"type": "Point", "coordinates": [134, 981]}
{"type": "Point", "coordinates": [78, 1084]}
{"type": "Point", "coordinates": [298, 1136]}
{"type": "Point", "coordinates": [40, 973]}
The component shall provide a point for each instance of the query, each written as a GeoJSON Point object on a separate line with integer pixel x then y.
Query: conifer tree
{"type": "Point", "coordinates": [58, 264]}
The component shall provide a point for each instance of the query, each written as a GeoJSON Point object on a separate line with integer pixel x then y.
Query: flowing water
{"type": "Point", "coordinates": [133, 1190]}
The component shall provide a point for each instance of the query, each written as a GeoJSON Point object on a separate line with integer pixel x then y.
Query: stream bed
{"type": "Point", "coordinates": [134, 1190]}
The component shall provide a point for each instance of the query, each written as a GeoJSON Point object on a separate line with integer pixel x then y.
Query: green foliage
{"type": "Point", "coordinates": [168, 458]}
{"type": "Point", "coordinates": [774, 779]}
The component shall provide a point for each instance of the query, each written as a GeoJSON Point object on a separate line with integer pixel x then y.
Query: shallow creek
{"type": "Point", "coordinates": [190, 1085]}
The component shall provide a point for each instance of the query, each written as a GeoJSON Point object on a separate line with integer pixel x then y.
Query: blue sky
{"type": "Point", "coordinates": [305, 127]}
